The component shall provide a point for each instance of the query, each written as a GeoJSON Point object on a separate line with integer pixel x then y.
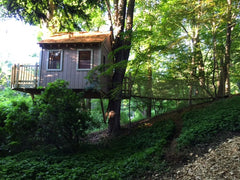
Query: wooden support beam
{"type": "Point", "coordinates": [103, 112]}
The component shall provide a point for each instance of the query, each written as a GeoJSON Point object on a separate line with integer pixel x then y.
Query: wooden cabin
{"type": "Point", "coordinates": [68, 56]}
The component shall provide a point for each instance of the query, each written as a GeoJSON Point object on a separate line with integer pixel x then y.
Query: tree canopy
{"type": "Point", "coordinates": [58, 15]}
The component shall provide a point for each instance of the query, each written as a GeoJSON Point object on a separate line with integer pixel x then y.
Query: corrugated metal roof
{"type": "Point", "coordinates": [76, 37]}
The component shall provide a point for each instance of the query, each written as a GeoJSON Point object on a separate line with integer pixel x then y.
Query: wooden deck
{"type": "Point", "coordinates": [24, 76]}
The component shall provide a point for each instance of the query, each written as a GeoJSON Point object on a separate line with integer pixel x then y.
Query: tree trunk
{"type": "Point", "coordinates": [221, 87]}
{"type": "Point", "coordinates": [228, 58]}
{"type": "Point", "coordinates": [214, 61]}
{"type": "Point", "coordinates": [116, 97]}
{"type": "Point", "coordinates": [121, 49]}
{"type": "Point", "coordinates": [224, 84]}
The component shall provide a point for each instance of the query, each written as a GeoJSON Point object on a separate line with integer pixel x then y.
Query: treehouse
{"type": "Point", "coordinates": [72, 57]}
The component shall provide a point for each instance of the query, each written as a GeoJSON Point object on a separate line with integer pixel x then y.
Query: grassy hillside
{"type": "Point", "coordinates": [201, 125]}
{"type": "Point", "coordinates": [139, 153]}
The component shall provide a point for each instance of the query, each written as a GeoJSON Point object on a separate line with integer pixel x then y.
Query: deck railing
{"type": "Point", "coordinates": [24, 76]}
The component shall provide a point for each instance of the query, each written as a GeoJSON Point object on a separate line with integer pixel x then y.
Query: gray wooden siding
{"type": "Point", "coordinates": [76, 78]}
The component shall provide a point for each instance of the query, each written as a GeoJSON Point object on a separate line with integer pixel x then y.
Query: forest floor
{"type": "Point", "coordinates": [219, 159]}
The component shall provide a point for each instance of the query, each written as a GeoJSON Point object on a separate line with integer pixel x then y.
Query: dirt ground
{"type": "Point", "coordinates": [219, 160]}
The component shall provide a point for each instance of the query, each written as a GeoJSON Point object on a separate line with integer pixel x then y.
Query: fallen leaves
{"type": "Point", "coordinates": [222, 162]}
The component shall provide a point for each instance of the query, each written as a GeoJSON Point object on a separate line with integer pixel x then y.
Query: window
{"type": "Point", "coordinates": [84, 60]}
{"type": "Point", "coordinates": [54, 60]}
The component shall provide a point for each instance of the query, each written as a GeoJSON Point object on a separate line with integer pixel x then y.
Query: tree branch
{"type": "Point", "coordinates": [116, 12]}
{"type": "Point", "coordinates": [130, 12]}
{"type": "Point", "coordinates": [182, 26]}
{"type": "Point", "coordinates": [121, 16]}
{"type": "Point", "coordinates": [109, 15]}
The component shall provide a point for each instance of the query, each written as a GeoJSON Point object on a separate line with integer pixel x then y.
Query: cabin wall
{"type": "Point", "coordinates": [76, 78]}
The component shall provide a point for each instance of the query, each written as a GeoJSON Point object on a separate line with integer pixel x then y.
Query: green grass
{"type": "Point", "coordinates": [123, 158]}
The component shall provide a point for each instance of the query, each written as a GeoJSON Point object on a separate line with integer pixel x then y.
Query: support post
{"type": "Point", "coordinates": [35, 75]}
{"type": "Point", "coordinates": [103, 112]}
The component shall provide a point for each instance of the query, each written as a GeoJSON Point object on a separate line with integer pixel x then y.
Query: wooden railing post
{"type": "Point", "coordinates": [35, 75]}
{"type": "Point", "coordinates": [13, 76]}
{"type": "Point", "coordinates": [17, 75]}
{"type": "Point", "coordinates": [127, 87]}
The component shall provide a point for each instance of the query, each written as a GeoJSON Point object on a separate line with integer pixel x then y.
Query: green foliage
{"type": "Point", "coordinates": [19, 126]}
{"type": "Point", "coordinates": [59, 15]}
{"type": "Point", "coordinates": [97, 122]}
{"type": "Point", "coordinates": [3, 134]}
{"type": "Point", "coordinates": [127, 157]}
{"type": "Point", "coordinates": [56, 117]}
{"type": "Point", "coordinates": [16, 124]}
{"type": "Point", "coordinates": [7, 96]}
{"type": "Point", "coordinates": [62, 120]}
{"type": "Point", "coordinates": [202, 125]}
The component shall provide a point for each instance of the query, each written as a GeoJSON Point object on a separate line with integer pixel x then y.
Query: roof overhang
{"type": "Point", "coordinates": [75, 39]}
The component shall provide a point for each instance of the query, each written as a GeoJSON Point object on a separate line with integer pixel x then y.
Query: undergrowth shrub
{"type": "Point", "coordinates": [3, 134]}
{"type": "Point", "coordinates": [97, 116]}
{"type": "Point", "coordinates": [62, 121]}
{"type": "Point", "coordinates": [19, 125]}
{"type": "Point", "coordinates": [202, 125]}
{"type": "Point", "coordinates": [15, 122]}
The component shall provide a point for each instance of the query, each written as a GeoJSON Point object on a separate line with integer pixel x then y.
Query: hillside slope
{"type": "Point", "coordinates": [199, 142]}
{"type": "Point", "coordinates": [210, 138]}
{"type": "Point", "coordinates": [218, 160]}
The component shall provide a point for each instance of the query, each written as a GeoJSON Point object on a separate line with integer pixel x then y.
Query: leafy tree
{"type": "Point", "coordinates": [61, 119]}
{"type": "Point", "coordinates": [19, 126]}
{"type": "Point", "coordinates": [196, 34]}
{"type": "Point", "coordinates": [4, 74]}
{"type": "Point", "coordinates": [57, 15]}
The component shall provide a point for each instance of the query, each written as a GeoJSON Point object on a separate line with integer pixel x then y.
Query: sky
{"type": "Point", "coordinates": [18, 42]}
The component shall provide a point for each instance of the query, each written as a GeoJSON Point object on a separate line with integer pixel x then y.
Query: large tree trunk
{"type": "Point", "coordinates": [116, 97]}
{"type": "Point", "coordinates": [214, 61]}
{"type": "Point", "coordinates": [221, 85]}
{"type": "Point", "coordinates": [121, 49]}
{"type": "Point", "coordinates": [228, 58]}
{"type": "Point", "coordinates": [224, 84]}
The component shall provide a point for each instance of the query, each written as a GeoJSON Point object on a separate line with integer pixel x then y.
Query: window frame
{"type": "Point", "coordinates": [61, 59]}
{"type": "Point", "coordinates": [91, 59]}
